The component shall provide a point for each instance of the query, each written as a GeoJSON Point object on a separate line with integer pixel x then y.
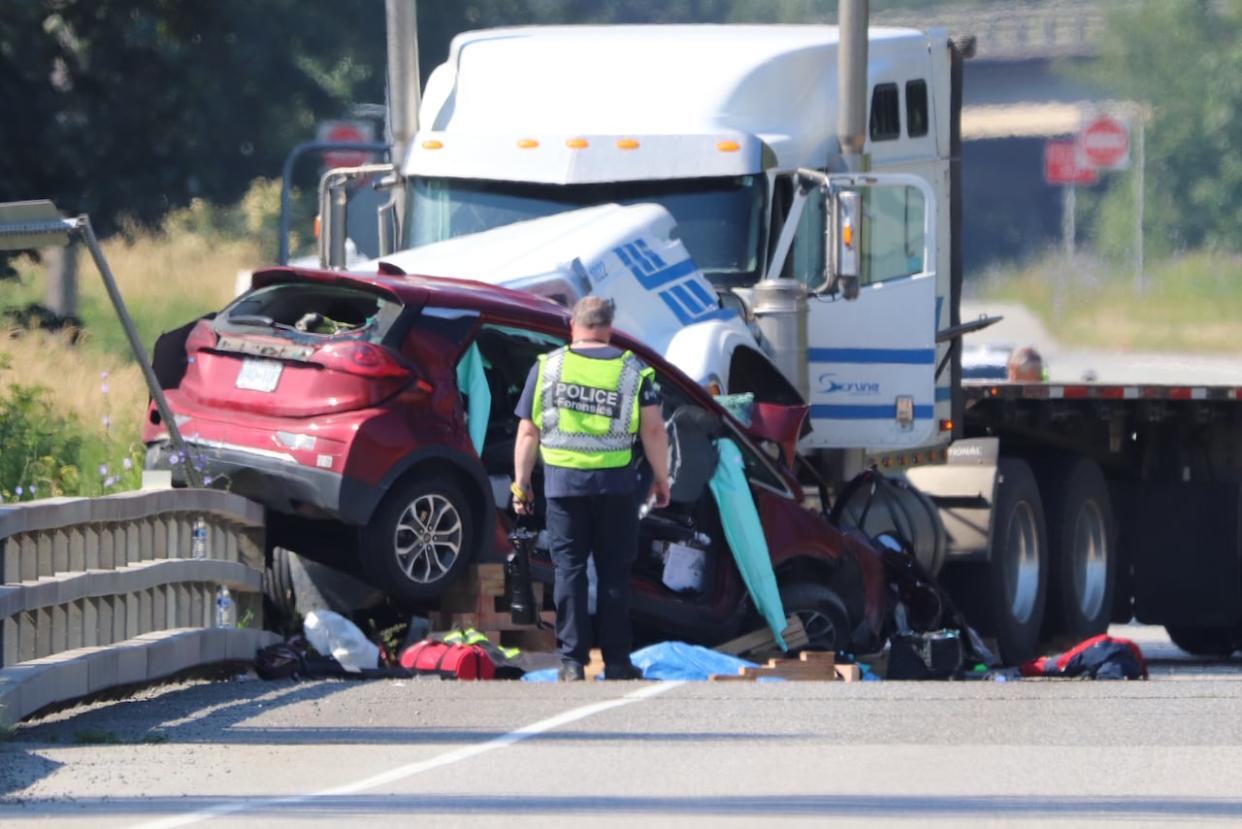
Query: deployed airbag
{"type": "Point", "coordinates": [744, 532]}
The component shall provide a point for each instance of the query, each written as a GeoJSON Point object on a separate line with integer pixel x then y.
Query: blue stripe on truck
{"type": "Point", "coordinates": [891, 356]}
{"type": "Point", "coordinates": [866, 411]}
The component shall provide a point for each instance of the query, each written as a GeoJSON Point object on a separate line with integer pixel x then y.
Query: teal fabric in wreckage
{"type": "Point", "coordinates": [740, 519]}
{"type": "Point", "coordinates": [472, 382]}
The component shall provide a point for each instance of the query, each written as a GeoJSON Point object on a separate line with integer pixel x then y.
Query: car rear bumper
{"type": "Point", "coordinates": [278, 482]}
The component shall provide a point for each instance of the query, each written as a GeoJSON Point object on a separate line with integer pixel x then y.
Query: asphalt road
{"type": "Point", "coordinates": [247, 753]}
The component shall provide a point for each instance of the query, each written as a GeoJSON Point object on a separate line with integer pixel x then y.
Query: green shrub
{"type": "Point", "coordinates": [40, 447]}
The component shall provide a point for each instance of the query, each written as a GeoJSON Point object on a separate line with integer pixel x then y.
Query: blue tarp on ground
{"type": "Point", "coordinates": [472, 382]}
{"type": "Point", "coordinates": [744, 532]}
{"type": "Point", "coordinates": [670, 660]}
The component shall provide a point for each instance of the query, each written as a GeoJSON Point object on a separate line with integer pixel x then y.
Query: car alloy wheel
{"type": "Point", "coordinates": [428, 538]}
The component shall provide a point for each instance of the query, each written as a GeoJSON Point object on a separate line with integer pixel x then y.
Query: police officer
{"type": "Point", "coordinates": [581, 410]}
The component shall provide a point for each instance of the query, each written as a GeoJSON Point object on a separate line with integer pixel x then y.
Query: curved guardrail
{"type": "Point", "coordinates": [103, 592]}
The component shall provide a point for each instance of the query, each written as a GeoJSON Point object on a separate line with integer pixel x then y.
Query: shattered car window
{"type": "Point", "coordinates": [323, 310]}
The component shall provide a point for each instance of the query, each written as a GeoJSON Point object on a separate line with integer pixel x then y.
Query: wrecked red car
{"type": "Point", "coordinates": [351, 407]}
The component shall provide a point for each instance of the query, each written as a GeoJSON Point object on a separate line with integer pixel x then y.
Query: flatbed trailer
{"type": "Point", "coordinates": [1069, 506]}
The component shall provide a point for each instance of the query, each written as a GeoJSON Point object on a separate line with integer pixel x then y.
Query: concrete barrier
{"type": "Point", "coordinates": [101, 592]}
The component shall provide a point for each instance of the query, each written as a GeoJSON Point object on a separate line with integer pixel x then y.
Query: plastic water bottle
{"type": "Point", "coordinates": [198, 539]}
{"type": "Point", "coordinates": [226, 610]}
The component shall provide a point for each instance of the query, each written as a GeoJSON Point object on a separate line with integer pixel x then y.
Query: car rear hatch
{"type": "Point", "coordinates": [300, 348]}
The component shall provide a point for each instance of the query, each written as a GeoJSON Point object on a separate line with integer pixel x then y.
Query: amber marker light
{"type": "Point", "coordinates": [728, 146]}
{"type": "Point", "coordinates": [946, 425]}
{"type": "Point", "coordinates": [527, 144]}
{"type": "Point", "coordinates": [627, 144]}
{"type": "Point", "coordinates": [577, 144]}
{"type": "Point", "coordinates": [432, 145]}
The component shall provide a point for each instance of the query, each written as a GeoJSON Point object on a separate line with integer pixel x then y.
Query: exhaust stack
{"type": "Point", "coordinates": [404, 88]}
{"type": "Point", "coordinates": [852, 81]}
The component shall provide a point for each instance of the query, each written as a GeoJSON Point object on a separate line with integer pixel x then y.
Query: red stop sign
{"type": "Point", "coordinates": [1105, 143]}
{"type": "Point", "coordinates": [345, 132]}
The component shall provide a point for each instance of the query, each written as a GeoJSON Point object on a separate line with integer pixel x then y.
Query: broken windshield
{"type": "Point", "coordinates": [718, 219]}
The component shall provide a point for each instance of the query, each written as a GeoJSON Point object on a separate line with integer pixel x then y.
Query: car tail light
{"type": "Point", "coordinates": [201, 336]}
{"type": "Point", "coordinates": [363, 359]}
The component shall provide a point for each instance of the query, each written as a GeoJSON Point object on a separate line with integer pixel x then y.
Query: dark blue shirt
{"type": "Point", "coordinates": [563, 482]}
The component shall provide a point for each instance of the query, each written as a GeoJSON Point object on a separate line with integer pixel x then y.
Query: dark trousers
{"type": "Point", "coordinates": [606, 525]}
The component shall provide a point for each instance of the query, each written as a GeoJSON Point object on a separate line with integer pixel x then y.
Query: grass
{"type": "Point", "coordinates": [1189, 303]}
{"type": "Point", "coordinates": [166, 278]}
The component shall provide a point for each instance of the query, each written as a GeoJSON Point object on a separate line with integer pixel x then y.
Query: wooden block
{"type": "Point", "coordinates": [818, 657]}
{"type": "Point", "coordinates": [793, 669]}
{"type": "Point", "coordinates": [730, 678]}
{"type": "Point", "coordinates": [849, 673]}
{"type": "Point", "coordinates": [794, 635]}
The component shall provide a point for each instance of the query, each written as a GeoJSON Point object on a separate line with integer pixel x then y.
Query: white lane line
{"type": "Point", "coordinates": [410, 769]}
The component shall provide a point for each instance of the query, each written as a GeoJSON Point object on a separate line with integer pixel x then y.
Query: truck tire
{"type": "Point", "coordinates": [420, 539]}
{"type": "Point", "coordinates": [1082, 549]}
{"type": "Point", "coordinates": [1011, 590]}
{"type": "Point", "coordinates": [1216, 643]}
{"type": "Point", "coordinates": [821, 612]}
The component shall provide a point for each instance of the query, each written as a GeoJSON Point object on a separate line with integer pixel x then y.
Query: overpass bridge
{"type": "Point", "coordinates": [1026, 84]}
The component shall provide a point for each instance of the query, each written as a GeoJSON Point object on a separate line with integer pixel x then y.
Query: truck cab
{"type": "Point", "coordinates": [717, 126]}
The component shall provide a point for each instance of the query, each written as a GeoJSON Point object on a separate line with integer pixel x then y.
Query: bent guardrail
{"type": "Point", "coordinates": [105, 592]}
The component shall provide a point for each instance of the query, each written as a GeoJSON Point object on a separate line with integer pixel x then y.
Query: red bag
{"type": "Point", "coordinates": [448, 661]}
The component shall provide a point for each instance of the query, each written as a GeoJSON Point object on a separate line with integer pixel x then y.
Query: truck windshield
{"type": "Point", "coordinates": [718, 219]}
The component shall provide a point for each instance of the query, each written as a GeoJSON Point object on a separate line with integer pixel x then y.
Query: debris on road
{"type": "Point", "coordinates": [1100, 657]}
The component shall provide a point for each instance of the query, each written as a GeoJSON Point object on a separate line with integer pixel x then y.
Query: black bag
{"type": "Point", "coordinates": [936, 654]}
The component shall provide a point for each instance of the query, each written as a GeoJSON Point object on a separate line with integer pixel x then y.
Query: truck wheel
{"type": "Point", "coordinates": [1014, 584]}
{"type": "Point", "coordinates": [420, 539]}
{"type": "Point", "coordinates": [821, 612]}
{"type": "Point", "coordinates": [1082, 550]}
{"type": "Point", "coordinates": [1218, 643]}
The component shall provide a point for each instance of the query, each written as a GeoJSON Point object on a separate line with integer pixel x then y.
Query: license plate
{"type": "Point", "coordinates": [259, 375]}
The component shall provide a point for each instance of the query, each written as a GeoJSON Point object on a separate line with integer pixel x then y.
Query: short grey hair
{"type": "Point", "coordinates": [594, 312]}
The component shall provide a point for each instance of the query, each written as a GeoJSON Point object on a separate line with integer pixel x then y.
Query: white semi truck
{"type": "Point", "coordinates": [778, 210]}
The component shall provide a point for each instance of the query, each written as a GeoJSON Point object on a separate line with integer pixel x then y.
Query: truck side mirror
{"type": "Point", "coordinates": [844, 209]}
{"type": "Point", "coordinates": [389, 227]}
{"type": "Point", "coordinates": [334, 208]}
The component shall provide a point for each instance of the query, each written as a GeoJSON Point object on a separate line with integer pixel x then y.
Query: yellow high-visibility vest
{"type": "Point", "coordinates": [586, 409]}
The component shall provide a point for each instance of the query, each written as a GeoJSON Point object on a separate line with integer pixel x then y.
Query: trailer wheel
{"type": "Point", "coordinates": [1012, 588]}
{"type": "Point", "coordinates": [1217, 643]}
{"type": "Point", "coordinates": [1082, 550]}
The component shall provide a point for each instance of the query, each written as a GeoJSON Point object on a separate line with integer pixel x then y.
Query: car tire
{"type": "Point", "coordinates": [1082, 550]}
{"type": "Point", "coordinates": [420, 540]}
{"type": "Point", "coordinates": [1214, 643]}
{"type": "Point", "coordinates": [1010, 591]}
{"type": "Point", "coordinates": [278, 583]}
{"type": "Point", "coordinates": [821, 612]}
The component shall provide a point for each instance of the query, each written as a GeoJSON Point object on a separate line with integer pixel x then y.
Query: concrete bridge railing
{"type": "Point", "coordinates": [105, 592]}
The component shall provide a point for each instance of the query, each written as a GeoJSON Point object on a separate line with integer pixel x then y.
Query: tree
{"type": "Point", "coordinates": [127, 108]}
{"type": "Point", "coordinates": [1183, 64]}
